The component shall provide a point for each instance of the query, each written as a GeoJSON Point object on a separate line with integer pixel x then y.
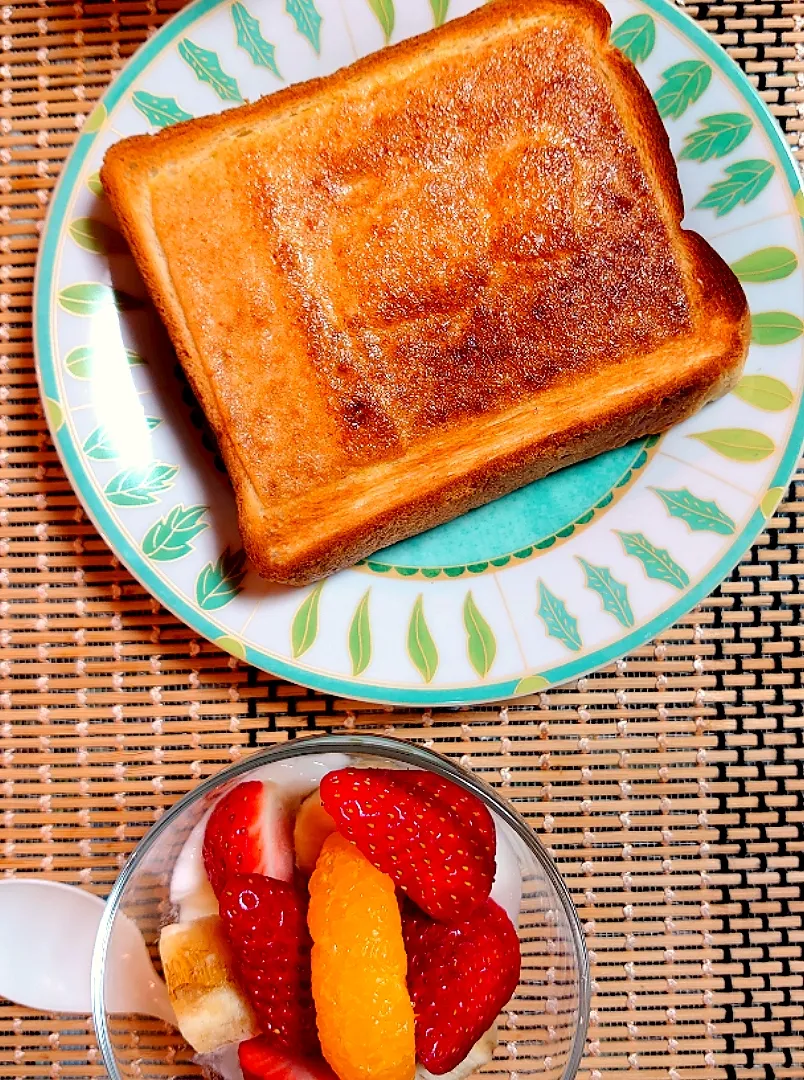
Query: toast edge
{"type": "Point", "coordinates": [326, 554]}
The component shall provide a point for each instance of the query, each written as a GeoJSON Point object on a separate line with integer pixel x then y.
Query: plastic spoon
{"type": "Point", "coordinates": [47, 933]}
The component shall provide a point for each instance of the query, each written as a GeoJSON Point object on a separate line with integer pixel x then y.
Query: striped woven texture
{"type": "Point", "coordinates": [669, 787]}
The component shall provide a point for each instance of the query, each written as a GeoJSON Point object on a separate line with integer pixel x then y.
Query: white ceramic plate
{"type": "Point", "coordinates": [538, 588]}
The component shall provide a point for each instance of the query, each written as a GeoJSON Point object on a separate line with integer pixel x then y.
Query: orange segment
{"type": "Point", "coordinates": [359, 965]}
{"type": "Point", "coordinates": [313, 826]}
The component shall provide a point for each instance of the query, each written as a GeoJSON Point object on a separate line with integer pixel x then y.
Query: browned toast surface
{"type": "Point", "coordinates": [430, 278]}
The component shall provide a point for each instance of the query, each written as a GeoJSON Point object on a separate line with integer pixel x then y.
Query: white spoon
{"type": "Point", "coordinates": [47, 934]}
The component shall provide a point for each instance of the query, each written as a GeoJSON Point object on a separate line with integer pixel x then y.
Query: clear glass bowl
{"type": "Point", "coordinates": [543, 1030]}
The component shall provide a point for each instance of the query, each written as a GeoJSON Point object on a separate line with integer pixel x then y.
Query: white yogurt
{"type": "Point", "coordinates": [299, 776]}
{"type": "Point", "coordinates": [507, 887]}
{"type": "Point", "coordinates": [190, 889]}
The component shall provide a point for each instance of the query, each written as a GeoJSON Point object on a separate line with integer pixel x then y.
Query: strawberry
{"type": "Point", "coordinates": [263, 1059]}
{"type": "Point", "coordinates": [459, 978]}
{"type": "Point", "coordinates": [266, 924]}
{"type": "Point", "coordinates": [249, 832]}
{"type": "Point", "coordinates": [413, 836]}
{"type": "Point", "coordinates": [468, 807]}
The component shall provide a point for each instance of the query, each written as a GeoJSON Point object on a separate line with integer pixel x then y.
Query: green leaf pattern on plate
{"type": "Point", "coordinates": [683, 84]}
{"type": "Point", "coordinates": [531, 684]}
{"type": "Point", "coordinates": [440, 8]}
{"type": "Point", "coordinates": [769, 264]}
{"type": "Point", "coordinates": [635, 37]}
{"type": "Point", "coordinates": [207, 68]}
{"type": "Point", "coordinates": [221, 581]}
{"type": "Point", "coordinates": [81, 360]}
{"type": "Point", "coordinates": [171, 537]}
{"type": "Point", "coordinates": [160, 112]}
{"type": "Point", "coordinates": [140, 486]}
{"type": "Point", "coordinates": [360, 636]}
{"type": "Point", "coordinates": [701, 515]}
{"type": "Point", "coordinates": [737, 444]}
{"type": "Point", "coordinates": [384, 10]}
{"type": "Point", "coordinates": [307, 20]}
{"type": "Point", "coordinates": [744, 181]}
{"type": "Point", "coordinates": [94, 183]}
{"type": "Point", "coordinates": [99, 444]}
{"type": "Point", "coordinates": [421, 647]}
{"type": "Point", "coordinates": [97, 237]}
{"type": "Point", "coordinates": [657, 562]}
{"type": "Point", "coordinates": [558, 622]}
{"type": "Point", "coordinates": [232, 645]}
{"type": "Point", "coordinates": [770, 501]}
{"type": "Point", "coordinates": [87, 298]}
{"type": "Point", "coordinates": [775, 328]}
{"type": "Point", "coordinates": [764, 392]}
{"type": "Point", "coordinates": [613, 593]}
{"type": "Point", "coordinates": [54, 413]}
{"type": "Point", "coordinates": [480, 641]}
{"type": "Point", "coordinates": [249, 37]}
{"type": "Point", "coordinates": [304, 629]}
{"type": "Point", "coordinates": [95, 121]}
{"type": "Point", "coordinates": [717, 136]}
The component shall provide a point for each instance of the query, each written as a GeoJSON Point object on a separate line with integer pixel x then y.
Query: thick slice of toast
{"type": "Point", "coordinates": [409, 288]}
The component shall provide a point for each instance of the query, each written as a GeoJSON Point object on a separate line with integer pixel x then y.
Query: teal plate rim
{"type": "Point", "coordinates": [103, 520]}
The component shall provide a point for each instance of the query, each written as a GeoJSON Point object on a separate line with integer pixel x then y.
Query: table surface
{"type": "Point", "coordinates": [669, 787]}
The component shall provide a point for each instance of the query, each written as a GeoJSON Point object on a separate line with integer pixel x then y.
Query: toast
{"type": "Point", "coordinates": [435, 276]}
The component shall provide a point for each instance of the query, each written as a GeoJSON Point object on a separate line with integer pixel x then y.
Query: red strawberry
{"type": "Point", "coordinates": [459, 977]}
{"type": "Point", "coordinates": [262, 1059]}
{"type": "Point", "coordinates": [412, 836]}
{"type": "Point", "coordinates": [468, 807]}
{"type": "Point", "coordinates": [266, 924]}
{"type": "Point", "coordinates": [249, 832]}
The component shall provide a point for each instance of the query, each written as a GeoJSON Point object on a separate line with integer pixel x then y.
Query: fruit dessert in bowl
{"type": "Point", "coordinates": [348, 908]}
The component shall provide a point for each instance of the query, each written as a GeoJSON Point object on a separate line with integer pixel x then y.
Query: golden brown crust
{"type": "Point", "coordinates": [385, 331]}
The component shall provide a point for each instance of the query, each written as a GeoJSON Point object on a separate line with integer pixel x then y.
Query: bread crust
{"type": "Point", "coordinates": [423, 472]}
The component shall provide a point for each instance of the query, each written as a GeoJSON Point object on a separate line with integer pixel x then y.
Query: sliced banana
{"type": "Point", "coordinates": [480, 1055]}
{"type": "Point", "coordinates": [211, 1010]}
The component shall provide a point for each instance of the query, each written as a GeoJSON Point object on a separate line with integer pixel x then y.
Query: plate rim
{"type": "Point", "coordinates": [342, 686]}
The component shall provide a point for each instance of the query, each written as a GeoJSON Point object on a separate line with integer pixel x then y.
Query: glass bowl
{"type": "Point", "coordinates": [541, 1033]}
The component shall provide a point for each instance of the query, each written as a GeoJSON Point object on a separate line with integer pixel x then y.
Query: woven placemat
{"type": "Point", "coordinates": [669, 787]}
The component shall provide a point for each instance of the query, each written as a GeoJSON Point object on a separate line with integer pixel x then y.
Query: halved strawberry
{"type": "Point", "coordinates": [249, 832]}
{"type": "Point", "coordinates": [467, 806]}
{"type": "Point", "coordinates": [266, 924]}
{"type": "Point", "coordinates": [262, 1059]}
{"type": "Point", "coordinates": [413, 836]}
{"type": "Point", "coordinates": [459, 978]}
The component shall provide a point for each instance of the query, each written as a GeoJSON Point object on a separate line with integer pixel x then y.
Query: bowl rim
{"type": "Point", "coordinates": [372, 746]}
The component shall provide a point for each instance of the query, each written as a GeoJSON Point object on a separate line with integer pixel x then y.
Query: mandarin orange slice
{"type": "Point", "coordinates": [359, 967]}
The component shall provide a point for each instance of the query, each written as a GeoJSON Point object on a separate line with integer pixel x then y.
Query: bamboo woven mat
{"type": "Point", "coordinates": [669, 787]}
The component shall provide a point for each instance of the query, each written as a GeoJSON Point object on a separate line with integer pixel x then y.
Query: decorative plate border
{"type": "Point", "coordinates": [71, 455]}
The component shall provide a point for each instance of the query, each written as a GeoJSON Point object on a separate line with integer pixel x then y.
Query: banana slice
{"type": "Point", "coordinates": [480, 1055]}
{"type": "Point", "coordinates": [313, 826]}
{"type": "Point", "coordinates": [211, 1010]}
